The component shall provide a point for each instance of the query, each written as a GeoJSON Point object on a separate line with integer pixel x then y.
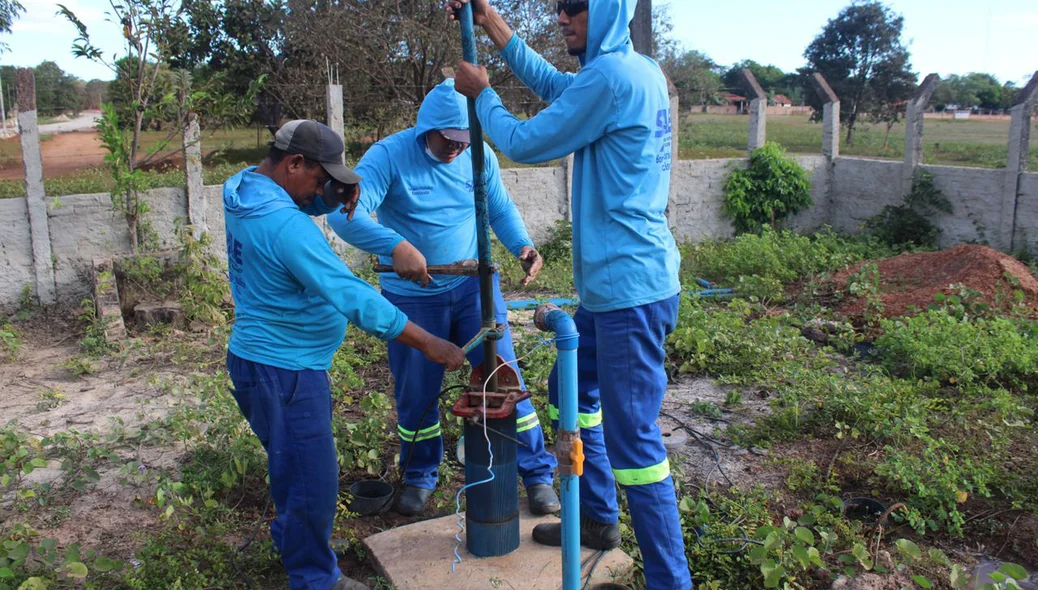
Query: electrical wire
{"type": "Point", "coordinates": [490, 464]}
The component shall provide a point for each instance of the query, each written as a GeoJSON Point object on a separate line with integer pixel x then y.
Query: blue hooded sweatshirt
{"type": "Point", "coordinates": [425, 201]}
{"type": "Point", "coordinates": [614, 115]}
{"type": "Point", "coordinates": [292, 294]}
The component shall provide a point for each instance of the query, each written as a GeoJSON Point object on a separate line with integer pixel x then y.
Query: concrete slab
{"type": "Point", "coordinates": [419, 556]}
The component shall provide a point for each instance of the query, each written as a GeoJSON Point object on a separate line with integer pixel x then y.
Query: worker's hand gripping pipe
{"type": "Point", "coordinates": [568, 448]}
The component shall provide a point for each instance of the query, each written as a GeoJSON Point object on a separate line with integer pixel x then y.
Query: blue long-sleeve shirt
{"type": "Point", "coordinates": [292, 294]}
{"type": "Point", "coordinates": [614, 116]}
{"type": "Point", "coordinates": [429, 203]}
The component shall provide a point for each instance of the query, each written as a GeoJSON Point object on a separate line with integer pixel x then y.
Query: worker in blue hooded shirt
{"type": "Point", "coordinates": [614, 116]}
{"type": "Point", "coordinates": [293, 297]}
{"type": "Point", "coordinates": [419, 184]}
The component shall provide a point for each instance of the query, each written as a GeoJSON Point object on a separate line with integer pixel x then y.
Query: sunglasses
{"type": "Point", "coordinates": [570, 8]}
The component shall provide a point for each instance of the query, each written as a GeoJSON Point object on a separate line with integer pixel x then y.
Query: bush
{"type": "Point", "coordinates": [731, 342]}
{"type": "Point", "coordinates": [995, 352]}
{"type": "Point", "coordinates": [770, 189]}
{"type": "Point", "coordinates": [760, 264]}
{"type": "Point", "coordinates": [909, 224]}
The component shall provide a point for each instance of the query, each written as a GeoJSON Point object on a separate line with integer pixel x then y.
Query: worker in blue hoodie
{"type": "Point", "coordinates": [614, 116]}
{"type": "Point", "coordinates": [419, 184]}
{"type": "Point", "coordinates": [293, 297]}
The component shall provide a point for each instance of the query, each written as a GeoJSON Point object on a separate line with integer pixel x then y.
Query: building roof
{"type": "Point", "coordinates": [782, 98]}
{"type": "Point", "coordinates": [734, 97]}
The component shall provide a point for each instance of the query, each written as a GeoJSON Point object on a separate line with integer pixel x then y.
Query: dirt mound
{"type": "Point", "coordinates": [912, 280]}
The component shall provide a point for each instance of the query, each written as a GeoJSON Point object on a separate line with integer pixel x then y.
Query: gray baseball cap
{"type": "Point", "coordinates": [316, 141]}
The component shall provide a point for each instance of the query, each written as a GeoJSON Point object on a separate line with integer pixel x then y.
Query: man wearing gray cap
{"type": "Point", "coordinates": [293, 297]}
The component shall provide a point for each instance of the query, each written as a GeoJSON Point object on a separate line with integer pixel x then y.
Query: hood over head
{"type": "Point", "coordinates": [249, 194]}
{"type": "Point", "coordinates": [608, 28]}
{"type": "Point", "coordinates": [443, 108]}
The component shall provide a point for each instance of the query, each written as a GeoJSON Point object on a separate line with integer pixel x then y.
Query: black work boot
{"type": "Point", "coordinates": [593, 535]}
{"type": "Point", "coordinates": [543, 499]}
{"type": "Point", "coordinates": [412, 500]}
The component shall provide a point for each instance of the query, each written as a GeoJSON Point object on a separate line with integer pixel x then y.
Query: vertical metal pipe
{"type": "Point", "coordinates": [486, 279]}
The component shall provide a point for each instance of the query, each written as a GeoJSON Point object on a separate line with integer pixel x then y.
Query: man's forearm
{"type": "Point", "coordinates": [498, 30]}
{"type": "Point", "coordinates": [414, 336]}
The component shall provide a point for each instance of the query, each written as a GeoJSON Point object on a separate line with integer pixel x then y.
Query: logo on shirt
{"type": "Point", "coordinates": [663, 123]}
{"type": "Point", "coordinates": [235, 261]}
{"type": "Point", "coordinates": [470, 187]}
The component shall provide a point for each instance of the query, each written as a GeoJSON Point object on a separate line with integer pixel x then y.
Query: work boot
{"type": "Point", "coordinates": [593, 535]}
{"type": "Point", "coordinates": [543, 499]}
{"type": "Point", "coordinates": [412, 500]}
{"type": "Point", "coordinates": [345, 583]}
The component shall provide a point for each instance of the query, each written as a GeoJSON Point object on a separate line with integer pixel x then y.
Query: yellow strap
{"type": "Point", "coordinates": [423, 434]}
{"type": "Point", "coordinates": [644, 476]}
{"type": "Point", "coordinates": [583, 420]}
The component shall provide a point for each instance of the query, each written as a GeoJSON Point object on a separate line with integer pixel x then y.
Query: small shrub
{"type": "Point", "coordinates": [909, 224]}
{"type": "Point", "coordinates": [10, 341]}
{"type": "Point", "coordinates": [770, 189]}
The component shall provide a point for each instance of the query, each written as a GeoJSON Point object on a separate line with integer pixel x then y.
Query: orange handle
{"type": "Point", "coordinates": [577, 456]}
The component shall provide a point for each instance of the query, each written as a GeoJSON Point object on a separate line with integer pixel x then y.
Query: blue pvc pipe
{"type": "Point", "coordinates": [566, 340]}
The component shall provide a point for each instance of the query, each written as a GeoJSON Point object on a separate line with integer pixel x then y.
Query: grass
{"type": "Point", "coordinates": [972, 143]}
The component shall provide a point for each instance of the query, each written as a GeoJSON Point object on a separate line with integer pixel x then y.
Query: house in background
{"type": "Point", "coordinates": [734, 100]}
{"type": "Point", "coordinates": [781, 100]}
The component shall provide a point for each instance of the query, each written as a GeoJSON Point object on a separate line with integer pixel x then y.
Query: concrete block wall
{"type": "Point", "coordinates": [1027, 214]}
{"type": "Point", "coordinates": [695, 199]}
{"type": "Point", "coordinates": [861, 188]}
{"type": "Point", "coordinates": [976, 198]}
{"type": "Point", "coordinates": [83, 227]}
{"type": "Point", "coordinates": [16, 266]}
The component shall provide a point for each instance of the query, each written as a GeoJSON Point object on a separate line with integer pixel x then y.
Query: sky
{"type": "Point", "coordinates": [946, 37]}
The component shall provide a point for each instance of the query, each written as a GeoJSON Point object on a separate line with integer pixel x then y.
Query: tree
{"type": "Point", "coordinates": [56, 91]}
{"type": "Point", "coordinates": [891, 87]}
{"type": "Point", "coordinates": [695, 75]}
{"type": "Point", "coordinates": [9, 10]}
{"type": "Point", "coordinates": [972, 91]}
{"type": "Point", "coordinates": [851, 52]}
{"type": "Point", "coordinates": [770, 77]}
{"type": "Point", "coordinates": [148, 91]}
{"type": "Point", "coordinates": [94, 93]}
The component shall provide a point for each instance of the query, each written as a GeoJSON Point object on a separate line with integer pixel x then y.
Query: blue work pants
{"type": "Point", "coordinates": [621, 381]}
{"type": "Point", "coordinates": [291, 414]}
{"type": "Point", "coordinates": [455, 316]}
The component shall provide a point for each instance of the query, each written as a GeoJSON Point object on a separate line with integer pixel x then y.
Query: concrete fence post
{"type": "Point", "coordinates": [567, 170]}
{"type": "Point", "coordinates": [43, 266]}
{"type": "Point", "coordinates": [1019, 146]}
{"type": "Point", "coordinates": [830, 118]}
{"type": "Point", "coordinates": [641, 28]}
{"type": "Point", "coordinates": [758, 111]}
{"type": "Point", "coordinates": [193, 172]}
{"type": "Point", "coordinates": [334, 106]}
{"type": "Point", "coordinates": [675, 140]}
{"type": "Point", "coordinates": [914, 130]}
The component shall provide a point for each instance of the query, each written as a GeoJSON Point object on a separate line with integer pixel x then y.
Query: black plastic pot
{"type": "Point", "coordinates": [370, 496]}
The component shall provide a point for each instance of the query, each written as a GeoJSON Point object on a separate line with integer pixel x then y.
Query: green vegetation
{"type": "Point", "coordinates": [975, 143]}
{"type": "Point", "coordinates": [909, 224]}
{"type": "Point", "coordinates": [771, 188]}
{"type": "Point", "coordinates": [928, 422]}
